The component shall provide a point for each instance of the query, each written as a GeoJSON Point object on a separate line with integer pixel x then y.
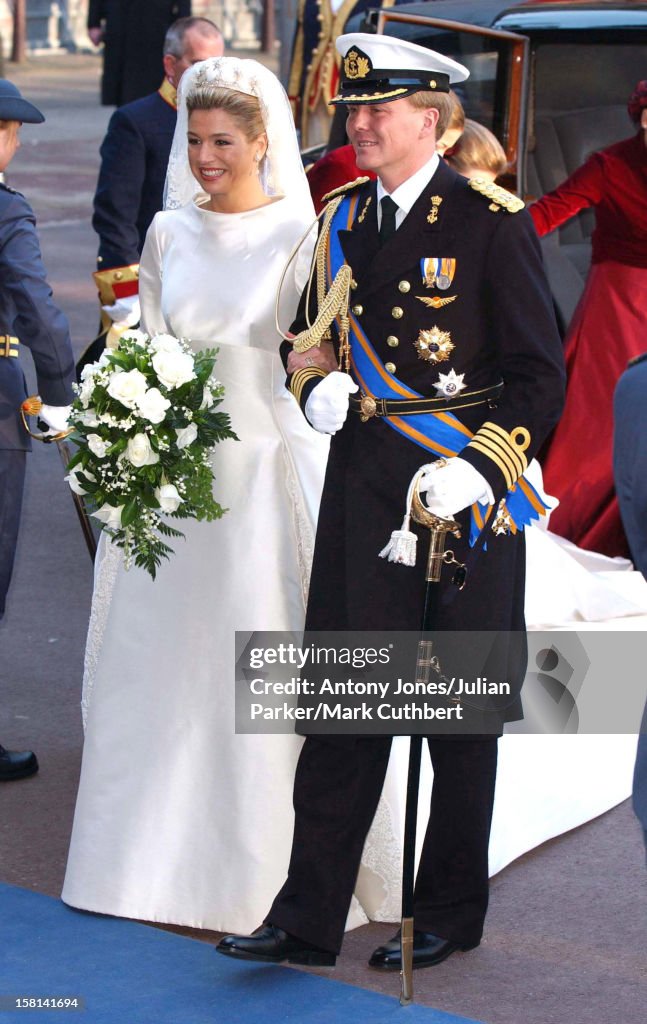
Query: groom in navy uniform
{"type": "Point", "coordinates": [455, 351]}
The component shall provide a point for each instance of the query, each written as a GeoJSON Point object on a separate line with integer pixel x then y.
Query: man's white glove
{"type": "Point", "coordinates": [125, 312]}
{"type": "Point", "coordinates": [327, 405]}
{"type": "Point", "coordinates": [55, 417]}
{"type": "Point", "coordinates": [452, 486]}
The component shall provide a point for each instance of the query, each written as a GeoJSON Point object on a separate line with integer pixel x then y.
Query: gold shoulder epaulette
{"type": "Point", "coordinates": [348, 187]}
{"type": "Point", "coordinates": [499, 197]}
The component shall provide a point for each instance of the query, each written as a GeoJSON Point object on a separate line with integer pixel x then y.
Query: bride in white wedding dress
{"type": "Point", "coordinates": [178, 819]}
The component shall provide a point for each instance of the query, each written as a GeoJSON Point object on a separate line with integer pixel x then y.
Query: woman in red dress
{"type": "Point", "coordinates": [609, 327]}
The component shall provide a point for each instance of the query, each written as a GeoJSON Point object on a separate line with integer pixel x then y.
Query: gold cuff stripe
{"type": "Point", "coordinates": [300, 377]}
{"type": "Point", "coordinates": [492, 453]}
{"type": "Point", "coordinates": [500, 447]}
{"type": "Point", "coordinates": [506, 445]}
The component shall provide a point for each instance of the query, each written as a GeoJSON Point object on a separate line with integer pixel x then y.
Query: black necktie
{"type": "Point", "coordinates": [387, 226]}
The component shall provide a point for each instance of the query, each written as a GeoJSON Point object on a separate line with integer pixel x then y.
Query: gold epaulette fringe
{"type": "Point", "coordinates": [499, 197]}
{"type": "Point", "coordinates": [348, 187]}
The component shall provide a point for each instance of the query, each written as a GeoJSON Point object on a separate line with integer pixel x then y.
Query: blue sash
{"type": "Point", "coordinates": [439, 432]}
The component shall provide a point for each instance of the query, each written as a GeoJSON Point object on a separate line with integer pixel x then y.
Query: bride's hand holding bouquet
{"type": "Point", "coordinates": [145, 421]}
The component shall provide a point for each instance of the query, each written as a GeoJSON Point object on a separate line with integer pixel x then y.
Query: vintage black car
{"type": "Point", "coordinates": [550, 79]}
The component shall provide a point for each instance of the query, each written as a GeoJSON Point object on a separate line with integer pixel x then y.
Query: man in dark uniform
{"type": "Point", "coordinates": [451, 320]}
{"type": "Point", "coordinates": [27, 316]}
{"type": "Point", "coordinates": [134, 158]}
{"type": "Point", "coordinates": [630, 475]}
{"type": "Point", "coordinates": [132, 32]}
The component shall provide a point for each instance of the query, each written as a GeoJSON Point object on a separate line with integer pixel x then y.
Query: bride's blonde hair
{"type": "Point", "coordinates": [244, 109]}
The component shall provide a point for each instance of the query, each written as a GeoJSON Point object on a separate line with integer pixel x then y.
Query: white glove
{"type": "Point", "coordinates": [125, 312]}
{"type": "Point", "coordinates": [55, 416]}
{"type": "Point", "coordinates": [327, 405]}
{"type": "Point", "coordinates": [452, 486]}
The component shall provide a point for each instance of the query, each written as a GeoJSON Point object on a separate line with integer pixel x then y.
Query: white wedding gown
{"type": "Point", "coordinates": [178, 819]}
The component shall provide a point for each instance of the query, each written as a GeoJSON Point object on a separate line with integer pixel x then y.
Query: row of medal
{"type": "Point", "coordinates": [434, 345]}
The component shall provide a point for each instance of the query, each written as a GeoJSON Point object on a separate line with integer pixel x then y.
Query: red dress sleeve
{"type": "Point", "coordinates": [585, 187]}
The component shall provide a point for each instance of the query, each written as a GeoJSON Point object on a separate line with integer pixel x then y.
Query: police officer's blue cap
{"type": "Point", "coordinates": [13, 107]}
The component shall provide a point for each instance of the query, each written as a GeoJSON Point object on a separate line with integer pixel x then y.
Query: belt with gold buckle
{"type": "Point", "coordinates": [369, 406]}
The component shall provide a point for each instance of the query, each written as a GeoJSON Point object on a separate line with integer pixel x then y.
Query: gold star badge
{"type": "Point", "coordinates": [434, 345]}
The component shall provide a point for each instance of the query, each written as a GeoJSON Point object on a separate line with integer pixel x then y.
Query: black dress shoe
{"type": "Point", "coordinates": [269, 944]}
{"type": "Point", "coordinates": [17, 764]}
{"type": "Point", "coordinates": [428, 949]}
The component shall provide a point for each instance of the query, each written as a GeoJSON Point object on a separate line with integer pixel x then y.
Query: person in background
{"type": "Point", "coordinates": [630, 475]}
{"type": "Point", "coordinates": [609, 328]}
{"type": "Point", "coordinates": [132, 32]}
{"type": "Point", "coordinates": [339, 166]}
{"type": "Point", "coordinates": [477, 153]}
{"type": "Point", "coordinates": [28, 316]}
{"type": "Point", "coordinates": [134, 158]}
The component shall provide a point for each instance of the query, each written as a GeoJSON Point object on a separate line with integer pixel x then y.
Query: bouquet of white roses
{"type": "Point", "coordinates": [145, 423]}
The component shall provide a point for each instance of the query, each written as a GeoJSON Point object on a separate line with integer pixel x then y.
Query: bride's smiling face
{"type": "Point", "coordinates": [225, 161]}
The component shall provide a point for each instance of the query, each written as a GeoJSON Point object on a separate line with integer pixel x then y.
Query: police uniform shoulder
{"type": "Point", "coordinates": [636, 360]}
{"type": "Point", "coordinates": [342, 190]}
{"type": "Point", "coordinates": [498, 197]}
{"type": "Point", "coordinates": [11, 191]}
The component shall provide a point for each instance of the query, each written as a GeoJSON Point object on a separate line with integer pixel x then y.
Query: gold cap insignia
{"type": "Point", "coordinates": [356, 64]}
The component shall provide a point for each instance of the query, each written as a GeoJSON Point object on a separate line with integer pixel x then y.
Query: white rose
{"type": "Point", "coordinates": [109, 515]}
{"type": "Point", "coordinates": [98, 446]}
{"type": "Point", "coordinates": [140, 452]}
{"type": "Point", "coordinates": [168, 497]}
{"type": "Point", "coordinates": [74, 482]}
{"type": "Point", "coordinates": [164, 343]}
{"type": "Point", "coordinates": [152, 405]}
{"type": "Point", "coordinates": [173, 368]}
{"type": "Point", "coordinates": [186, 435]}
{"type": "Point", "coordinates": [127, 388]}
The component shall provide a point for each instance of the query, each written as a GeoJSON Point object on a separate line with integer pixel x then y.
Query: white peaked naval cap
{"type": "Point", "coordinates": [378, 68]}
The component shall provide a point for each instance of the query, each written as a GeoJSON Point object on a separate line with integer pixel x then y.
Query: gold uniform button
{"type": "Point", "coordinates": [117, 276]}
{"type": "Point", "coordinates": [404, 287]}
{"type": "Point", "coordinates": [390, 367]}
{"type": "Point", "coordinates": [397, 312]}
{"type": "Point", "coordinates": [358, 310]}
{"type": "Point", "coordinates": [353, 285]}
{"type": "Point", "coordinates": [392, 341]}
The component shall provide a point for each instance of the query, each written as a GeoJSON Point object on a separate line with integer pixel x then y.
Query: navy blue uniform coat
{"type": "Point", "coordinates": [130, 189]}
{"type": "Point", "coordinates": [502, 325]}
